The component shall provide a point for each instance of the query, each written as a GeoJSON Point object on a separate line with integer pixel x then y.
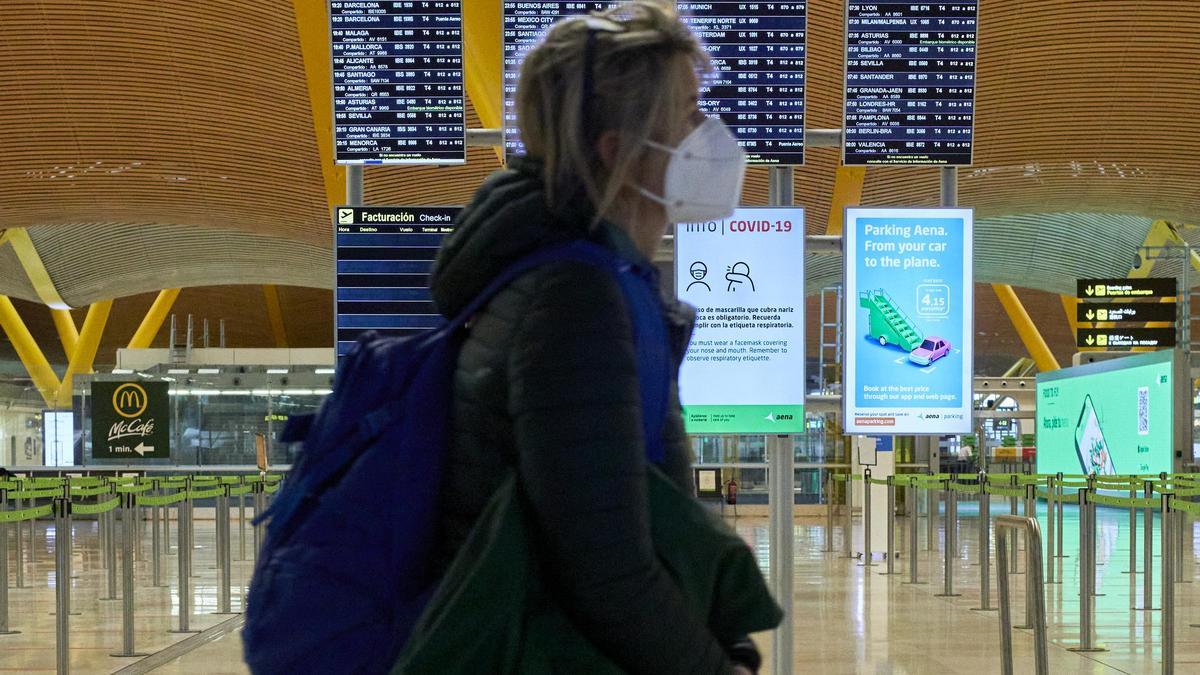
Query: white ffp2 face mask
{"type": "Point", "coordinates": [704, 175]}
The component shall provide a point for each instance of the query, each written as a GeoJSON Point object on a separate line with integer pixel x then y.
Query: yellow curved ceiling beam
{"type": "Point", "coordinates": [144, 336]}
{"type": "Point", "coordinates": [35, 269]}
{"type": "Point", "coordinates": [68, 334]}
{"type": "Point", "coordinates": [84, 356]}
{"type": "Point", "coordinates": [1026, 329]}
{"type": "Point", "coordinates": [483, 62]}
{"type": "Point", "coordinates": [43, 376]}
{"type": "Point", "coordinates": [312, 25]}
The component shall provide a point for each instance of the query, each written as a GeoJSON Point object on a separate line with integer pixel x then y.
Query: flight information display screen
{"type": "Point", "coordinates": [384, 256]}
{"type": "Point", "coordinates": [910, 83]}
{"type": "Point", "coordinates": [758, 50]}
{"type": "Point", "coordinates": [398, 82]}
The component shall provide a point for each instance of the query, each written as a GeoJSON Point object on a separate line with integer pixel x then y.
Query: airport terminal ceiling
{"type": "Point", "coordinates": [152, 144]}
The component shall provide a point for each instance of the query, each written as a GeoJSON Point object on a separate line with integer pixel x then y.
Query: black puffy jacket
{"type": "Point", "coordinates": [547, 382]}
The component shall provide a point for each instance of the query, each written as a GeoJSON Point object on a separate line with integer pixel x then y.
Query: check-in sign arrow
{"type": "Point", "coordinates": [1091, 315]}
{"type": "Point", "coordinates": [1089, 290]}
{"type": "Point", "coordinates": [1089, 340]}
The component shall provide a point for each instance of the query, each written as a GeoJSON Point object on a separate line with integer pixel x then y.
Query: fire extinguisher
{"type": "Point", "coordinates": [731, 489]}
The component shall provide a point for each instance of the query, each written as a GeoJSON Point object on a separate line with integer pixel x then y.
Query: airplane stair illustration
{"type": "Point", "coordinates": [889, 325]}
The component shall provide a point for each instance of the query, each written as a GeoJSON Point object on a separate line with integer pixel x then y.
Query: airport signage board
{"type": "Point", "coordinates": [910, 83]}
{"type": "Point", "coordinates": [131, 420]}
{"type": "Point", "coordinates": [1109, 418]}
{"type": "Point", "coordinates": [1135, 312]}
{"type": "Point", "coordinates": [744, 369]}
{"type": "Point", "coordinates": [1124, 338]}
{"type": "Point", "coordinates": [909, 316]}
{"type": "Point", "coordinates": [398, 93]}
{"type": "Point", "coordinates": [758, 50]}
{"type": "Point", "coordinates": [383, 257]}
{"type": "Point", "coordinates": [1119, 289]}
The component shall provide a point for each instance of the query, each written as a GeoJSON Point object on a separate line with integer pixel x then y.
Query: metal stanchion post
{"type": "Point", "coordinates": [1087, 574]}
{"type": "Point", "coordinates": [1177, 546]}
{"type": "Point", "coordinates": [828, 518]}
{"type": "Point", "coordinates": [912, 535]}
{"type": "Point", "coordinates": [4, 629]}
{"type": "Point", "coordinates": [108, 522]}
{"type": "Point", "coordinates": [950, 539]}
{"type": "Point", "coordinates": [1058, 548]}
{"type": "Point", "coordinates": [848, 522]}
{"type": "Point", "coordinates": [1012, 534]}
{"type": "Point", "coordinates": [223, 547]}
{"type": "Point", "coordinates": [31, 503]}
{"type": "Point", "coordinates": [167, 528]}
{"type": "Point", "coordinates": [155, 548]}
{"type": "Point", "coordinates": [867, 519]}
{"type": "Point", "coordinates": [1049, 548]}
{"type": "Point", "coordinates": [258, 510]}
{"type": "Point", "coordinates": [1031, 513]}
{"type": "Point", "coordinates": [1132, 533]}
{"type": "Point", "coordinates": [931, 513]}
{"type": "Point", "coordinates": [20, 558]}
{"type": "Point", "coordinates": [891, 533]}
{"type": "Point", "coordinates": [1168, 586]}
{"type": "Point", "coordinates": [129, 536]}
{"type": "Point", "coordinates": [242, 520]}
{"type": "Point", "coordinates": [184, 546]}
{"type": "Point", "coordinates": [1147, 551]}
{"type": "Point", "coordinates": [62, 583]}
{"type": "Point", "coordinates": [985, 546]}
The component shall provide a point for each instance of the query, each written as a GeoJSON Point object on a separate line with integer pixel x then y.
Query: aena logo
{"type": "Point", "coordinates": [130, 400]}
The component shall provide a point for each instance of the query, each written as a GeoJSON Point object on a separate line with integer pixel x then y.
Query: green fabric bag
{"type": "Point", "coordinates": [491, 614]}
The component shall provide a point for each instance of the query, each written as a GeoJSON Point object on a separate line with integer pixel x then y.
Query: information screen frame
{"type": "Point", "coordinates": [781, 158]}
{"type": "Point", "coordinates": [1179, 408]}
{"type": "Point", "coordinates": [788, 388]}
{"type": "Point", "coordinates": [846, 157]}
{"type": "Point", "coordinates": [904, 417]}
{"type": "Point", "coordinates": [339, 159]}
{"type": "Point", "coordinates": [445, 227]}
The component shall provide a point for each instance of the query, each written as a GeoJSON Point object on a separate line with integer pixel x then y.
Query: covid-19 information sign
{"type": "Point", "coordinates": [1108, 418]}
{"type": "Point", "coordinates": [909, 315]}
{"type": "Point", "coordinates": [744, 370]}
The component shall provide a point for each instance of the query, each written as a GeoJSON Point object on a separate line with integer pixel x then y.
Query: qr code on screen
{"type": "Point", "coordinates": [1143, 411]}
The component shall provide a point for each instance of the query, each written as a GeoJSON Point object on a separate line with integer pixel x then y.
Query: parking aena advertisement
{"type": "Point", "coordinates": [909, 312]}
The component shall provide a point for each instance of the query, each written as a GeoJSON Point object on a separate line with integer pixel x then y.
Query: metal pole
{"type": "Point", "coordinates": [129, 516]}
{"type": "Point", "coordinates": [1148, 551]}
{"type": "Point", "coordinates": [1050, 507]}
{"type": "Point", "coordinates": [354, 185]}
{"type": "Point", "coordinates": [155, 548]}
{"type": "Point", "coordinates": [224, 563]}
{"type": "Point", "coordinates": [931, 512]}
{"type": "Point", "coordinates": [1086, 578]}
{"type": "Point", "coordinates": [258, 509]}
{"type": "Point", "coordinates": [985, 545]}
{"type": "Point", "coordinates": [108, 522]}
{"type": "Point", "coordinates": [20, 558]}
{"type": "Point", "coordinates": [1168, 587]}
{"type": "Point", "coordinates": [1030, 513]}
{"type": "Point", "coordinates": [950, 198]}
{"type": "Point", "coordinates": [167, 528]}
{"type": "Point", "coordinates": [867, 520]}
{"type": "Point", "coordinates": [242, 521]}
{"type": "Point", "coordinates": [782, 531]}
{"type": "Point", "coordinates": [828, 516]}
{"type": "Point", "coordinates": [1012, 534]}
{"type": "Point", "coordinates": [1132, 533]}
{"type": "Point", "coordinates": [4, 629]}
{"type": "Point", "coordinates": [62, 583]}
{"type": "Point", "coordinates": [891, 532]}
{"type": "Point", "coordinates": [1006, 656]}
{"type": "Point", "coordinates": [184, 546]}
{"type": "Point", "coordinates": [1177, 545]}
{"type": "Point", "coordinates": [950, 542]}
{"type": "Point", "coordinates": [848, 524]}
{"type": "Point", "coordinates": [912, 535]}
{"type": "Point", "coordinates": [1058, 549]}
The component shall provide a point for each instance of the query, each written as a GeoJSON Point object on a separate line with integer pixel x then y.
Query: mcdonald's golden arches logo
{"type": "Point", "coordinates": [130, 400]}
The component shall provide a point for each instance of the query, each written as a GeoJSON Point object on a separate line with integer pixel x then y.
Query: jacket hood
{"type": "Point", "coordinates": [506, 220]}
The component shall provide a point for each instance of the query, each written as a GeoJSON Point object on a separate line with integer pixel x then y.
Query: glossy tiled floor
{"type": "Point", "coordinates": [849, 619]}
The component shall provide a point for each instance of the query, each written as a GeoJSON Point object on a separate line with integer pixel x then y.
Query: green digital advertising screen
{"type": "Point", "coordinates": [1109, 418]}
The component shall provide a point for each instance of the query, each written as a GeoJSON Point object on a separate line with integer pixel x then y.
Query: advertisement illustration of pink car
{"type": "Point", "coordinates": [931, 349]}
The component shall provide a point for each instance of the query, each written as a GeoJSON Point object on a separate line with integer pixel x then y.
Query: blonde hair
{"type": "Point", "coordinates": [638, 49]}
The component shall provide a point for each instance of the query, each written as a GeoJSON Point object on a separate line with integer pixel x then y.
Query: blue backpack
{"type": "Point", "coordinates": [346, 567]}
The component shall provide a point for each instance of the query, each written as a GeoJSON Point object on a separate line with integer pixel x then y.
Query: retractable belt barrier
{"type": "Point", "coordinates": [104, 497]}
